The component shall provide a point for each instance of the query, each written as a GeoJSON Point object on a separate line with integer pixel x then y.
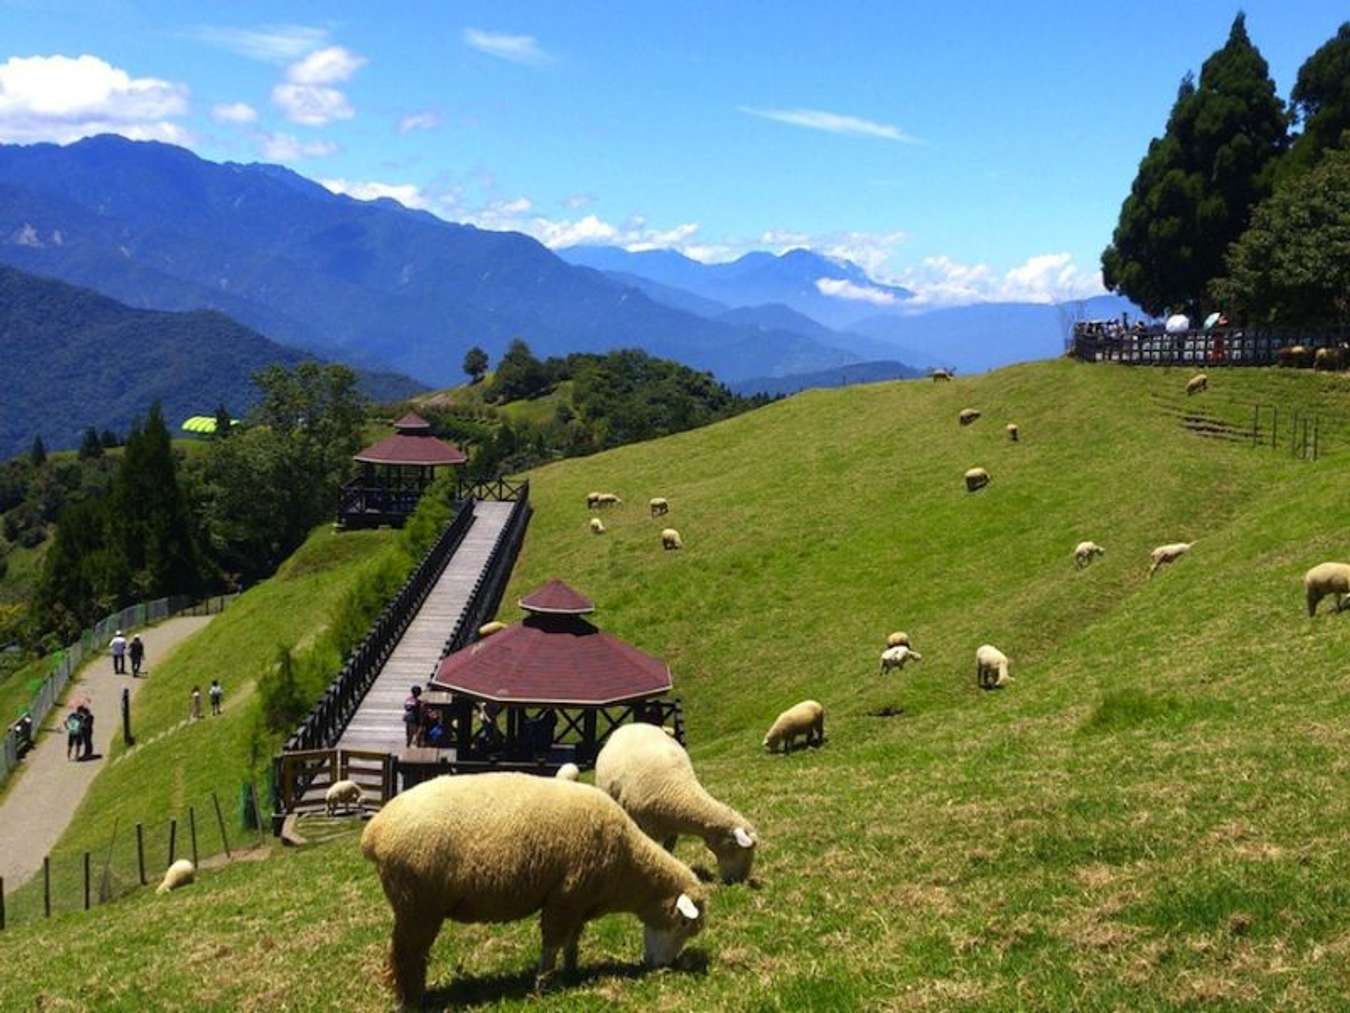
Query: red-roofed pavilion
{"type": "Point", "coordinates": [548, 690]}
{"type": "Point", "coordinates": [393, 473]}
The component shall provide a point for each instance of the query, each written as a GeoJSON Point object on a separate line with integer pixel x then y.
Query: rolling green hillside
{"type": "Point", "coordinates": [1152, 815]}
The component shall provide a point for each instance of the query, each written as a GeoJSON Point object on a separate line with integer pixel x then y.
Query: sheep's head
{"type": "Point", "coordinates": [735, 851]}
{"type": "Point", "coordinates": [665, 935]}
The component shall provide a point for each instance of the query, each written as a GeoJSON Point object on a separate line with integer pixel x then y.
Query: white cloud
{"type": "Point", "coordinates": [834, 123]}
{"type": "Point", "coordinates": [307, 96]}
{"type": "Point", "coordinates": [1044, 278]}
{"type": "Point", "coordinates": [419, 121]}
{"type": "Point", "coordinates": [410, 195]}
{"type": "Point", "coordinates": [57, 98]}
{"type": "Point", "coordinates": [233, 112]}
{"type": "Point", "coordinates": [288, 148]}
{"type": "Point", "coordinates": [838, 288]}
{"type": "Point", "coordinates": [516, 48]}
{"type": "Point", "coordinates": [270, 43]}
{"type": "Point", "coordinates": [577, 201]}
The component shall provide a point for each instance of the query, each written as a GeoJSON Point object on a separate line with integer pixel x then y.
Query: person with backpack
{"type": "Point", "coordinates": [73, 734]}
{"type": "Point", "coordinates": [136, 650]}
{"type": "Point", "coordinates": [216, 693]}
{"type": "Point", "coordinates": [412, 715]}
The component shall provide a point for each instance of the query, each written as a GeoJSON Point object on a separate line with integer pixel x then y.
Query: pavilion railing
{"type": "Point", "coordinates": [487, 591]}
{"type": "Point", "coordinates": [326, 722]}
{"type": "Point", "coordinates": [501, 489]}
{"type": "Point", "coordinates": [1098, 342]}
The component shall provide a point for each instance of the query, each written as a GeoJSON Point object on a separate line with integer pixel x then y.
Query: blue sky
{"type": "Point", "coordinates": [972, 151]}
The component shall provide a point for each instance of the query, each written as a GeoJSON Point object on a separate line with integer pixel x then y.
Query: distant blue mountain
{"type": "Point", "coordinates": [840, 376]}
{"type": "Point", "coordinates": [372, 282]}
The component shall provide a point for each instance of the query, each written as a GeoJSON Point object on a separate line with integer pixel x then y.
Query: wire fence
{"type": "Point", "coordinates": [19, 736]}
{"type": "Point", "coordinates": [133, 856]}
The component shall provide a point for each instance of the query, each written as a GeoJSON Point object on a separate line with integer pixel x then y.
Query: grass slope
{"type": "Point", "coordinates": [1151, 816]}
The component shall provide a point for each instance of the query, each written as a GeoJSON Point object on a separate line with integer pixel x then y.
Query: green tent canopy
{"type": "Point", "coordinates": [203, 425]}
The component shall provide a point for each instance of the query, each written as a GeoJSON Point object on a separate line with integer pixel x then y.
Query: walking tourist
{"type": "Point", "coordinates": [119, 653]}
{"type": "Point", "coordinates": [87, 733]}
{"type": "Point", "coordinates": [73, 727]}
{"type": "Point", "coordinates": [216, 693]}
{"type": "Point", "coordinates": [136, 649]}
{"type": "Point", "coordinates": [196, 703]}
{"type": "Point", "coordinates": [412, 715]}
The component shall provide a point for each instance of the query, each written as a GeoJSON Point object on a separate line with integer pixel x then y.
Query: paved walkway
{"type": "Point", "coordinates": [378, 723]}
{"type": "Point", "coordinates": [48, 787]}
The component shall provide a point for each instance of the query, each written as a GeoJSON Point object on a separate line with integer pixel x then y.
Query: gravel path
{"type": "Point", "coordinates": [49, 788]}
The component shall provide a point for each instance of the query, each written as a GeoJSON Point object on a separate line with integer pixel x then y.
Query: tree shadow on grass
{"type": "Point", "coordinates": [490, 989]}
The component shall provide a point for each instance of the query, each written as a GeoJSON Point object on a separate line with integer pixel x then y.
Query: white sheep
{"type": "Point", "coordinates": [1165, 554]}
{"type": "Point", "coordinates": [649, 774]}
{"type": "Point", "coordinates": [593, 500]}
{"type": "Point", "coordinates": [1014, 434]}
{"type": "Point", "coordinates": [342, 793]}
{"type": "Point", "coordinates": [1085, 552]}
{"type": "Point", "coordinates": [487, 629]}
{"type": "Point", "coordinates": [498, 847]}
{"type": "Point", "coordinates": [607, 499]}
{"type": "Point", "coordinates": [1328, 578]}
{"type": "Point", "coordinates": [898, 639]}
{"type": "Point", "coordinates": [597, 526]}
{"type": "Point", "coordinates": [670, 539]}
{"type": "Point", "coordinates": [941, 374]}
{"type": "Point", "coordinates": [1196, 384]}
{"type": "Point", "coordinates": [659, 506]}
{"type": "Point", "coordinates": [568, 772]}
{"type": "Point", "coordinates": [991, 667]}
{"type": "Point", "coordinates": [181, 873]}
{"type": "Point", "coordinates": [967, 416]}
{"type": "Point", "coordinates": [806, 718]}
{"type": "Point", "coordinates": [976, 479]}
{"type": "Point", "coordinates": [895, 657]}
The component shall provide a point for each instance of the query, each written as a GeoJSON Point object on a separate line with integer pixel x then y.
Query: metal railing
{"type": "Point", "coordinates": [325, 723]}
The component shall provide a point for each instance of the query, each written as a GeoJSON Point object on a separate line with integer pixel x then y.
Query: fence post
{"type": "Point", "coordinates": [46, 886]}
{"type": "Point", "coordinates": [1275, 428]}
{"type": "Point", "coordinates": [86, 881]}
{"type": "Point", "coordinates": [1317, 435]}
{"type": "Point", "coordinates": [257, 811]}
{"type": "Point", "coordinates": [140, 853]}
{"type": "Point", "coordinates": [220, 822]}
{"type": "Point", "coordinates": [192, 833]}
{"type": "Point", "coordinates": [2, 903]}
{"type": "Point", "coordinates": [173, 839]}
{"type": "Point", "coordinates": [127, 739]}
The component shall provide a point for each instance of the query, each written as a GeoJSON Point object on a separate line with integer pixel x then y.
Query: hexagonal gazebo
{"type": "Point", "coordinates": [393, 473]}
{"type": "Point", "coordinates": [546, 691]}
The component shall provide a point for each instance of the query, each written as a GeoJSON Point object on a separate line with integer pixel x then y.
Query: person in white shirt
{"type": "Point", "coordinates": [119, 653]}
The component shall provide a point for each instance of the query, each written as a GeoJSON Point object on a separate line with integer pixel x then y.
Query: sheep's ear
{"type": "Point", "coordinates": [686, 906]}
{"type": "Point", "coordinates": [743, 837]}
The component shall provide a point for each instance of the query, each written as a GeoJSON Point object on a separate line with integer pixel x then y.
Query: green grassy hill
{"type": "Point", "coordinates": [1152, 815]}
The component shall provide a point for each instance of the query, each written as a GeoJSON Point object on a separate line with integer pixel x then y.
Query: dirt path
{"type": "Point", "coordinates": [49, 788]}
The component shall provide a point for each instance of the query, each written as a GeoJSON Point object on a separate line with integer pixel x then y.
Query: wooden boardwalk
{"type": "Point", "coordinates": [378, 722]}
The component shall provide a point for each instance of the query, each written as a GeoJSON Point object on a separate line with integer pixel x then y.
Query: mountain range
{"type": "Point", "coordinates": [74, 358]}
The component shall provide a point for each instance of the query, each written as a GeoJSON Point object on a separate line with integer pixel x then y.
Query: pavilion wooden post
{"type": "Point", "coordinates": [86, 881]}
{"type": "Point", "coordinates": [140, 853]}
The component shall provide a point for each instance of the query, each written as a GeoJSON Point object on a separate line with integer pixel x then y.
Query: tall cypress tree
{"type": "Point", "coordinates": [1321, 101]}
{"type": "Point", "coordinates": [1198, 183]}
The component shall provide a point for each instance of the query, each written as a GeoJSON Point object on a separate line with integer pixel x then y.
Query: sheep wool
{"type": "Point", "coordinates": [898, 639]}
{"type": "Point", "coordinates": [1196, 384]}
{"type": "Point", "coordinates": [967, 416]}
{"type": "Point", "coordinates": [650, 775]}
{"type": "Point", "coordinates": [1085, 553]}
{"type": "Point", "coordinates": [1165, 554]}
{"type": "Point", "coordinates": [991, 667]}
{"type": "Point", "coordinates": [976, 479]}
{"type": "Point", "coordinates": [1014, 434]}
{"type": "Point", "coordinates": [659, 505]}
{"type": "Point", "coordinates": [941, 375]}
{"type": "Point", "coordinates": [181, 873]}
{"type": "Point", "coordinates": [806, 718]}
{"type": "Point", "coordinates": [895, 657]}
{"type": "Point", "coordinates": [1330, 358]}
{"type": "Point", "coordinates": [670, 539]}
{"type": "Point", "coordinates": [568, 772]}
{"type": "Point", "coordinates": [1324, 579]}
{"type": "Point", "coordinates": [487, 629]}
{"type": "Point", "coordinates": [597, 526]}
{"type": "Point", "coordinates": [342, 793]}
{"type": "Point", "coordinates": [498, 847]}
{"type": "Point", "coordinates": [593, 500]}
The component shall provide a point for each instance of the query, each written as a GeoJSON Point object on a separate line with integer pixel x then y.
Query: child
{"type": "Point", "coordinates": [196, 703]}
{"type": "Point", "coordinates": [216, 693]}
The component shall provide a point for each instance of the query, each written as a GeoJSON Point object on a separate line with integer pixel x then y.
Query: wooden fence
{"type": "Point", "coordinates": [1207, 348]}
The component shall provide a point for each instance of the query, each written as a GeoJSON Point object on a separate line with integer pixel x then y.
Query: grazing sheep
{"type": "Point", "coordinates": [1295, 356]}
{"type": "Point", "coordinates": [1329, 358]}
{"type": "Point", "coordinates": [976, 479]}
{"type": "Point", "coordinates": [806, 718]}
{"type": "Point", "coordinates": [1085, 552]}
{"type": "Point", "coordinates": [967, 416]}
{"type": "Point", "coordinates": [597, 526]}
{"type": "Point", "coordinates": [898, 639]}
{"type": "Point", "coordinates": [606, 499]}
{"type": "Point", "coordinates": [568, 772]}
{"type": "Point", "coordinates": [342, 793]}
{"type": "Point", "coordinates": [1165, 554]}
{"type": "Point", "coordinates": [1328, 578]}
{"type": "Point", "coordinates": [487, 629]}
{"type": "Point", "coordinates": [895, 657]}
{"type": "Point", "coordinates": [1014, 434]}
{"type": "Point", "coordinates": [659, 506]}
{"type": "Point", "coordinates": [941, 374]}
{"type": "Point", "coordinates": [649, 774]}
{"type": "Point", "coordinates": [670, 539]}
{"type": "Point", "coordinates": [181, 873]}
{"type": "Point", "coordinates": [1196, 384]}
{"type": "Point", "coordinates": [593, 500]}
{"type": "Point", "coordinates": [498, 847]}
{"type": "Point", "coordinates": [991, 667]}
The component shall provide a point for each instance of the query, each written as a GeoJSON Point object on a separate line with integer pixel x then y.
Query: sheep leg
{"type": "Point", "coordinates": [408, 951]}
{"type": "Point", "coordinates": [570, 953]}
{"type": "Point", "coordinates": [559, 931]}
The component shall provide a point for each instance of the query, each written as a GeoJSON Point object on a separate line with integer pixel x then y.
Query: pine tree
{"type": "Point", "coordinates": [90, 446]}
{"type": "Point", "coordinates": [475, 363]}
{"type": "Point", "coordinates": [38, 454]}
{"type": "Point", "coordinates": [109, 439]}
{"type": "Point", "coordinates": [223, 421]}
{"type": "Point", "coordinates": [1321, 101]}
{"type": "Point", "coordinates": [1199, 182]}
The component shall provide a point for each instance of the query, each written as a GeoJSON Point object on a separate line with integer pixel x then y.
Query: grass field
{"type": "Point", "coordinates": [1152, 815]}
